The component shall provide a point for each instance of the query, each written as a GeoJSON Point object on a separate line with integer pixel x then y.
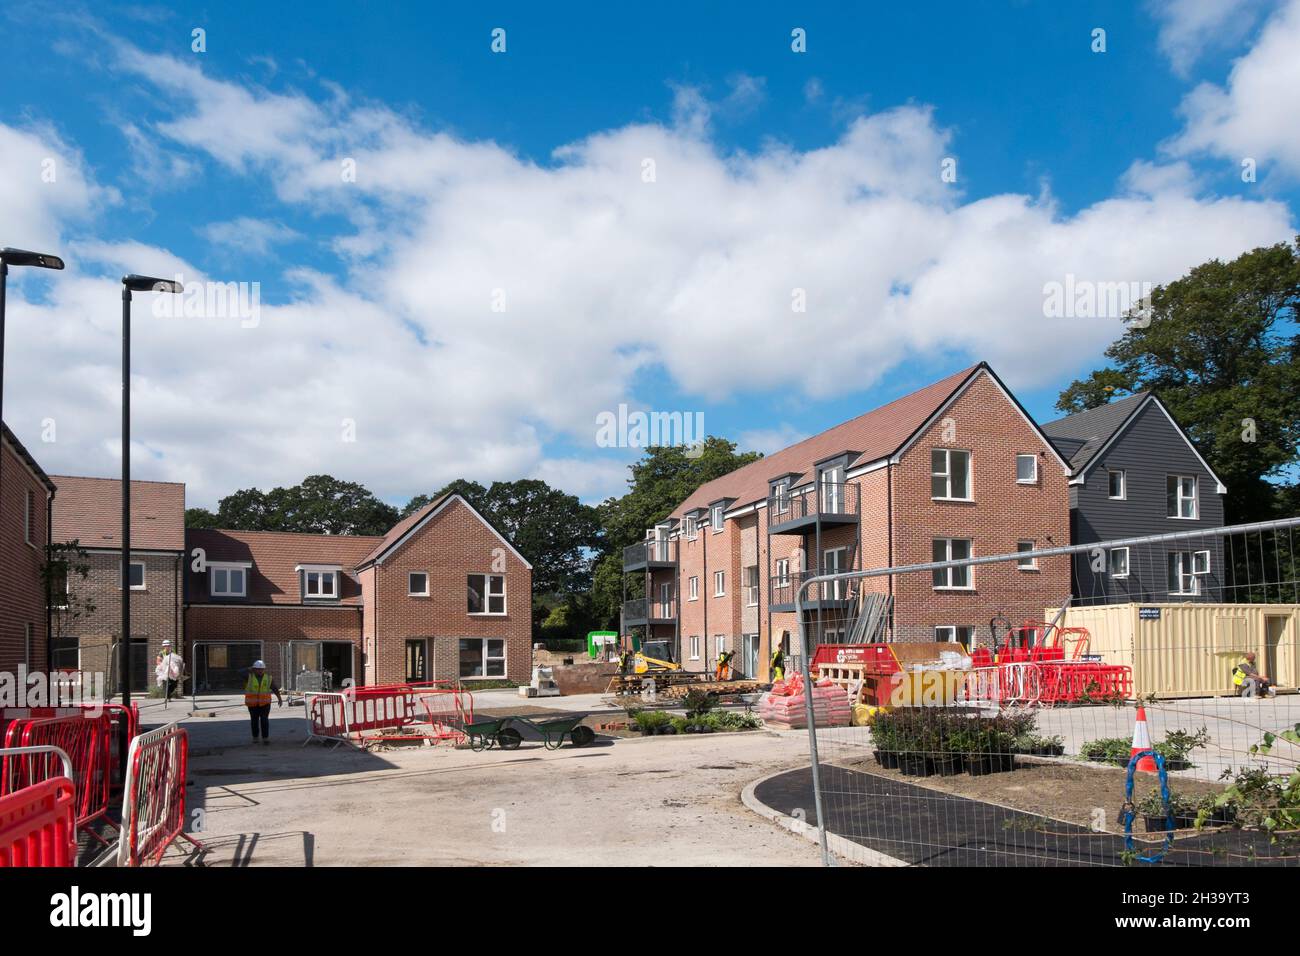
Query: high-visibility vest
{"type": "Point", "coordinates": [257, 692]}
{"type": "Point", "coordinates": [1238, 676]}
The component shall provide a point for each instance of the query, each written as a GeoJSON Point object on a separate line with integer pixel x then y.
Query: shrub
{"type": "Point", "coordinates": [1175, 749]}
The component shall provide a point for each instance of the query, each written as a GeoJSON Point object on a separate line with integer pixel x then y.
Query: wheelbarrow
{"type": "Point", "coordinates": [483, 734]}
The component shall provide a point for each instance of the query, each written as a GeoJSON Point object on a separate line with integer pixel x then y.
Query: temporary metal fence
{"type": "Point", "coordinates": [436, 711]}
{"type": "Point", "coordinates": [81, 736]}
{"type": "Point", "coordinates": [153, 801]}
{"type": "Point", "coordinates": [38, 823]}
{"type": "Point", "coordinates": [1089, 705]}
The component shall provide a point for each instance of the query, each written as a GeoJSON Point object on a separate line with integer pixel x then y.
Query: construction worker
{"type": "Point", "coordinates": [169, 671]}
{"type": "Point", "coordinates": [778, 663]}
{"type": "Point", "coordinates": [624, 660]}
{"type": "Point", "coordinates": [723, 671]}
{"type": "Point", "coordinates": [257, 698]}
{"type": "Point", "coordinates": [1248, 680]}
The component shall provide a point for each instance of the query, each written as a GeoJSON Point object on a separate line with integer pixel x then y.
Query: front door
{"type": "Point", "coordinates": [417, 660]}
{"type": "Point", "coordinates": [1279, 662]}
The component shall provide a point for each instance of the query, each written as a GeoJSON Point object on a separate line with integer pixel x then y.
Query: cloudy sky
{"type": "Point", "coordinates": [465, 256]}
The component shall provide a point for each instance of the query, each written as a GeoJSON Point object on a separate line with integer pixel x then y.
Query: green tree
{"type": "Point", "coordinates": [661, 480]}
{"type": "Point", "coordinates": [201, 518]}
{"type": "Point", "coordinates": [321, 504]}
{"type": "Point", "coordinates": [64, 572]}
{"type": "Point", "coordinates": [1221, 351]}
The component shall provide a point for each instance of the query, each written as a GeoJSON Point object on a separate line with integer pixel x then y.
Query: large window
{"type": "Point", "coordinates": [1027, 469]}
{"type": "Point", "coordinates": [1186, 568]}
{"type": "Point", "coordinates": [227, 581]}
{"type": "Point", "coordinates": [320, 584]}
{"type": "Point", "coordinates": [952, 549]}
{"type": "Point", "coordinates": [487, 594]}
{"type": "Point", "coordinates": [482, 657]}
{"type": "Point", "coordinates": [1180, 496]}
{"type": "Point", "coordinates": [950, 474]}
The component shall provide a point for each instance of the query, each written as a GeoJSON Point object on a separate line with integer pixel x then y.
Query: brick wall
{"type": "Point", "coordinates": [274, 627]}
{"type": "Point", "coordinates": [22, 592]}
{"type": "Point", "coordinates": [452, 544]}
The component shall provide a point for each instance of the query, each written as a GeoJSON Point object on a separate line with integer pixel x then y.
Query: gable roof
{"type": "Point", "coordinates": [26, 457]}
{"type": "Point", "coordinates": [872, 437]}
{"type": "Point", "coordinates": [412, 523]}
{"type": "Point", "coordinates": [1086, 434]}
{"type": "Point", "coordinates": [276, 556]}
{"type": "Point", "coordinates": [90, 510]}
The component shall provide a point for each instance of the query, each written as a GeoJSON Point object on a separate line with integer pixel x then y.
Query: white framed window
{"type": "Point", "coordinates": [137, 576]}
{"type": "Point", "coordinates": [715, 518]}
{"type": "Point", "coordinates": [417, 584]}
{"type": "Point", "coordinates": [1117, 484]}
{"type": "Point", "coordinates": [1118, 562]}
{"type": "Point", "coordinates": [751, 586]}
{"type": "Point", "coordinates": [482, 657]}
{"type": "Point", "coordinates": [320, 585]}
{"type": "Point", "coordinates": [693, 588]}
{"type": "Point", "coordinates": [1180, 496]}
{"type": "Point", "coordinates": [963, 634]}
{"type": "Point", "coordinates": [665, 599]}
{"type": "Point", "coordinates": [783, 571]}
{"type": "Point", "coordinates": [695, 647]}
{"type": "Point", "coordinates": [720, 642]}
{"type": "Point", "coordinates": [1186, 568]}
{"type": "Point", "coordinates": [486, 593]}
{"type": "Point", "coordinates": [952, 579]}
{"type": "Point", "coordinates": [690, 527]}
{"type": "Point", "coordinates": [781, 497]}
{"type": "Point", "coordinates": [719, 583]}
{"type": "Point", "coordinates": [1026, 469]}
{"type": "Point", "coordinates": [950, 475]}
{"type": "Point", "coordinates": [1026, 564]}
{"type": "Point", "coordinates": [227, 580]}
{"type": "Point", "coordinates": [834, 560]}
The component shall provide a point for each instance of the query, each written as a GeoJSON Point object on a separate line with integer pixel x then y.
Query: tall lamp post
{"type": "Point", "coordinates": [131, 283]}
{"type": "Point", "coordinates": [17, 257]}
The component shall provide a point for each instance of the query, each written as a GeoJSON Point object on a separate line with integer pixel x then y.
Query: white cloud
{"type": "Point", "coordinates": [1189, 27]}
{"type": "Point", "coordinates": [1254, 114]}
{"type": "Point", "coordinates": [249, 235]}
{"type": "Point", "coordinates": [602, 275]}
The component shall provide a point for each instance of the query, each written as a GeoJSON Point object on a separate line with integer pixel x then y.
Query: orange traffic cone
{"type": "Point", "coordinates": [1141, 742]}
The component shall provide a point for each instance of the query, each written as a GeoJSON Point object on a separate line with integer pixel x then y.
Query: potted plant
{"type": "Point", "coordinates": [884, 735]}
{"type": "Point", "coordinates": [1155, 816]}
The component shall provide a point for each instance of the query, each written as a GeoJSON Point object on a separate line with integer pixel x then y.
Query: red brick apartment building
{"type": "Point", "coordinates": [441, 596]}
{"type": "Point", "coordinates": [89, 511]}
{"type": "Point", "coordinates": [956, 469]}
{"type": "Point", "coordinates": [26, 493]}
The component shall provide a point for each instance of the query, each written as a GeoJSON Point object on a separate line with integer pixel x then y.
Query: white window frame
{"type": "Point", "coordinates": [1020, 562]}
{"type": "Point", "coordinates": [1110, 563]}
{"type": "Point", "coordinates": [1186, 571]}
{"type": "Point", "coordinates": [320, 574]}
{"type": "Point", "coordinates": [751, 590]}
{"type": "Point", "coordinates": [693, 587]}
{"type": "Point", "coordinates": [484, 643]}
{"type": "Point", "coordinates": [488, 594]}
{"type": "Point", "coordinates": [783, 572]}
{"type": "Point", "coordinates": [144, 582]}
{"type": "Point", "coordinates": [1123, 484]}
{"type": "Point", "coordinates": [1179, 498]}
{"type": "Point", "coordinates": [1027, 481]}
{"type": "Point", "coordinates": [716, 521]}
{"type": "Point", "coordinates": [214, 567]}
{"type": "Point", "coordinates": [951, 634]}
{"type": "Point", "coordinates": [695, 647]}
{"type": "Point", "coordinates": [410, 591]}
{"type": "Point", "coordinates": [721, 641]}
{"type": "Point", "coordinates": [946, 474]}
{"type": "Point", "coordinates": [665, 598]}
{"type": "Point", "coordinates": [690, 527]}
{"type": "Point", "coordinates": [1206, 569]}
{"type": "Point", "coordinates": [949, 573]}
{"type": "Point", "coordinates": [719, 583]}
{"type": "Point", "coordinates": [781, 497]}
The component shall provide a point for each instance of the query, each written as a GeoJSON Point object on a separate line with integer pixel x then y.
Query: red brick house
{"type": "Point", "coordinates": [89, 511]}
{"type": "Point", "coordinates": [442, 595]}
{"type": "Point", "coordinates": [26, 493]}
{"type": "Point", "coordinates": [957, 469]}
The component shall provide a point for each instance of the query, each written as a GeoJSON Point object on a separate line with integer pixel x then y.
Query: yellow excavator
{"type": "Point", "coordinates": [652, 660]}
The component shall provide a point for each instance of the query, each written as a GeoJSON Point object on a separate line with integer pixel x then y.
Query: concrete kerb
{"type": "Point", "coordinates": [841, 847]}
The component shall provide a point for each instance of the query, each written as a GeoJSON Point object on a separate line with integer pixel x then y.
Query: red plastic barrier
{"type": "Point", "coordinates": [153, 802]}
{"type": "Point", "coordinates": [85, 739]}
{"type": "Point", "coordinates": [38, 826]}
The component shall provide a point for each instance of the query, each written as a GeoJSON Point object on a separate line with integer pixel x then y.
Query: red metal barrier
{"type": "Point", "coordinates": [392, 709]}
{"type": "Point", "coordinates": [85, 739]}
{"type": "Point", "coordinates": [38, 826]}
{"type": "Point", "coordinates": [153, 801]}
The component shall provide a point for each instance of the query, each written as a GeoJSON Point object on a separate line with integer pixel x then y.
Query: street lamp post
{"type": "Point", "coordinates": [16, 257]}
{"type": "Point", "coordinates": [130, 283]}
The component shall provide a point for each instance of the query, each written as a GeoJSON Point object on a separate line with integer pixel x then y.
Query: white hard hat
{"type": "Point", "coordinates": [259, 664]}
{"type": "Point", "coordinates": [167, 643]}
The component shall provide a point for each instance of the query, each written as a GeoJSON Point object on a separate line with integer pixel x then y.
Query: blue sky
{"type": "Point", "coordinates": [520, 175]}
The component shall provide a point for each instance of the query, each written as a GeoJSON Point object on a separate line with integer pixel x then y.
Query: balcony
{"type": "Point", "coordinates": [825, 596]}
{"type": "Point", "coordinates": [650, 554]}
{"type": "Point", "coordinates": [644, 611]}
{"type": "Point", "coordinates": [830, 504]}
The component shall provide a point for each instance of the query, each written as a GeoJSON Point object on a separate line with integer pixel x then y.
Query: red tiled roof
{"type": "Point", "coordinates": [275, 556]}
{"type": "Point", "coordinates": [406, 524]}
{"type": "Point", "coordinates": [90, 510]}
{"type": "Point", "coordinates": [872, 436]}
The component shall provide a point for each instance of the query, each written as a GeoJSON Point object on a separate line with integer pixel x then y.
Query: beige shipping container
{"type": "Point", "coordinates": [1189, 650]}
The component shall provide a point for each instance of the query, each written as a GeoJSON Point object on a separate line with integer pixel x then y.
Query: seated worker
{"type": "Point", "coordinates": [1248, 680]}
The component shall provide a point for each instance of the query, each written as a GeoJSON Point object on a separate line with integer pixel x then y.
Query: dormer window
{"type": "Point", "coordinates": [227, 580]}
{"type": "Point", "coordinates": [320, 582]}
{"type": "Point", "coordinates": [781, 496]}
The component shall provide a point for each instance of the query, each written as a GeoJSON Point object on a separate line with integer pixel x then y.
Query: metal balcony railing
{"type": "Point", "coordinates": [650, 552]}
{"type": "Point", "coordinates": [829, 499]}
{"type": "Point", "coordinates": [642, 609]}
{"type": "Point", "coordinates": [782, 590]}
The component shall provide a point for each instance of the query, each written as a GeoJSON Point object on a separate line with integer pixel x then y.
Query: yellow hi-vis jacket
{"type": "Point", "coordinates": [257, 692]}
{"type": "Point", "coordinates": [1238, 676]}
